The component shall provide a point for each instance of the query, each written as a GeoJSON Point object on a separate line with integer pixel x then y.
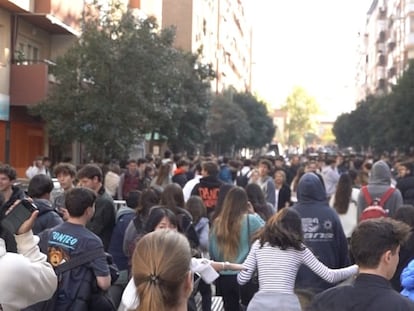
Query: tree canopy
{"type": "Point", "coordinates": [238, 120]}
{"type": "Point", "coordinates": [122, 79]}
{"type": "Point", "coordinates": [301, 108]}
{"type": "Point", "coordinates": [383, 123]}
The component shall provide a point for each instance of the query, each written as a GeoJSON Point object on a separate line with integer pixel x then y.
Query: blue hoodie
{"type": "Point", "coordinates": [322, 230]}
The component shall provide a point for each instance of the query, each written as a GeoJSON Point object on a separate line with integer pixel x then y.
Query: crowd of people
{"type": "Point", "coordinates": [264, 234]}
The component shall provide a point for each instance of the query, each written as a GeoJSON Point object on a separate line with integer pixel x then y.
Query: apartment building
{"type": "Point", "coordinates": [32, 34]}
{"type": "Point", "coordinates": [220, 30]}
{"type": "Point", "coordinates": [386, 45]}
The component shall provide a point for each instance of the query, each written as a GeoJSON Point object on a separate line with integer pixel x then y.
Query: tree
{"type": "Point", "coordinates": [300, 107]}
{"type": "Point", "coordinates": [123, 79]}
{"type": "Point", "coordinates": [227, 124]}
{"type": "Point", "coordinates": [261, 125]}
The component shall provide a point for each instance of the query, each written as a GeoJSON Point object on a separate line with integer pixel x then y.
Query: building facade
{"type": "Point", "coordinates": [220, 31]}
{"type": "Point", "coordinates": [386, 45]}
{"type": "Point", "coordinates": [33, 33]}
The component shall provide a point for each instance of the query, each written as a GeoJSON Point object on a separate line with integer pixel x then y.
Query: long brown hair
{"type": "Point", "coordinates": [160, 264]}
{"type": "Point", "coordinates": [283, 229]}
{"type": "Point", "coordinates": [227, 225]}
{"type": "Point", "coordinates": [343, 194]}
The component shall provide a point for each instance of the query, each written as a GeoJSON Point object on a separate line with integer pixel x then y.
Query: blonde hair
{"type": "Point", "coordinates": [160, 264]}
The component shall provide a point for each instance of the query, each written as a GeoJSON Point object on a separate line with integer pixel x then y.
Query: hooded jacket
{"type": "Point", "coordinates": [322, 229]}
{"type": "Point", "coordinates": [47, 218]}
{"type": "Point", "coordinates": [17, 194]}
{"type": "Point", "coordinates": [379, 182]}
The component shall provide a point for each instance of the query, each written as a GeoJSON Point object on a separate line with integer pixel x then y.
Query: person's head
{"type": "Point", "coordinates": [132, 165]}
{"type": "Point", "coordinates": [380, 173]}
{"type": "Point", "coordinates": [90, 176]}
{"type": "Point", "coordinates": [265, 166]}
{"type": "Point", "coordinates": [160, 218]}
{"type": "Point", "coordinates": [256, 198]}
{"type": "Point", "coordinates": [375, 245]}
{"type": "Point", "coordinates": [38, 161]}
{"type": "Point", "coordinates": [172, 197]}
{"type": "Point", "coordinates": [80, 202]}
{"type": "Point", "coordinates": [343, 193]}
{"type": "Point", "coordinates": [163, 173]}
{"type": "Point", "coordinates": [183, 164]}
{"type": "Point", "coordinates": [40, 186]}
{"type": "Point", "coordinates": [209, 168]}
{"type": "Point", "coordinates": [284, 230]}
{"type": "Point", "coordinates": [161, 271]}
{"type": "Point", "coordinates": [7, 177]}
{"type": "Point", "coordinates": [404, 169]}
{"type": "Point", "coordinates": [65, 174]}
{"type": "Point", "coordinates": [196, 208]}
{"type": "Point", "coordinates": [405, 213]}
{"type": "Point", "coordinates": [149, 171]}
{"type": "Point", "coordinates": [133, 199]}
{"type": "Point", "coordinates": [149, 198]}
{"type": "Point", "coordinates": [279, 161]}
{"type": "Point", "coordinates": [311, 166]}
{"type": "Point", "coordinates": [280, 177]}
{"type": "Point", "coordinates": [223, 190]}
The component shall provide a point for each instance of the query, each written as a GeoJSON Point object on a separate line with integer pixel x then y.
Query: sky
{"type": "Point", "coordinates": [308, 43]}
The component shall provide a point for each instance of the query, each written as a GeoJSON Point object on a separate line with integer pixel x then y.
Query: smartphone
{"type": "Point", "coordinates": [18, 215]}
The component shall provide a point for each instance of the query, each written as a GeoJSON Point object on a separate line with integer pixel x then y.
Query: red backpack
{"type": "Point", "coordinates": [375, 208]}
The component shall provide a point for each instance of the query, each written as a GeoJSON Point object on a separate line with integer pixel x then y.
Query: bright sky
{"type": "Point", "coordinates": [310, 43]}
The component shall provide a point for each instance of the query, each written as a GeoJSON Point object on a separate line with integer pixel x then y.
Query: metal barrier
{"type": "Point", "coordinates": [118, 204]}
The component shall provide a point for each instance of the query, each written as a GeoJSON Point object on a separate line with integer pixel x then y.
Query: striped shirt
{"type": "Point", "coordinates": [278, 268]}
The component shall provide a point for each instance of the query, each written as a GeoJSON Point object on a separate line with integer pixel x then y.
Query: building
{"type": "Point", "coordinates": [386, 46]}
{"type": "Point", "coordinates": [32, 34]}
{"type": "Point", "coordinates": [219, 29]}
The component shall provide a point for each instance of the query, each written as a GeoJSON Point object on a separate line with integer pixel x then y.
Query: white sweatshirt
{"type": "Point", "coordinates": [25, 278]}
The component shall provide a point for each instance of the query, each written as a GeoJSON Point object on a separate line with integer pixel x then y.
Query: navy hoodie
{"type": "Point", "coordinates": [322, 230]}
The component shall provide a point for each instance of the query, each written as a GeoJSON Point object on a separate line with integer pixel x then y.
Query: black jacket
{"type": "Point", "coordinates": [368, 293]}
{"type": "Point", "coordinates": [8, 237]}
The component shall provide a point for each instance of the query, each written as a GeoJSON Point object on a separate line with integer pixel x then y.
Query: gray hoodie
{"type": "Point", "coordinates": [379, 182]}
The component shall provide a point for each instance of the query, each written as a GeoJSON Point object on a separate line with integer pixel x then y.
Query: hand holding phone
{"type": "Point", "coordinates": [20, 217]}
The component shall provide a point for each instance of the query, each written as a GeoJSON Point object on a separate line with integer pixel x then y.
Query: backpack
{"type": "Point", "coordinates": [242, 180]}
{"type": "Point", "coordinates": [375, 207]}
{"type": "Point", "coordinates": [77, 288]}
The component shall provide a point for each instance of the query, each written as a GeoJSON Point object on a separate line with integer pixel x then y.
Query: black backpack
{"type": "Point", "coordinates": [77, 288]}
{"type": "Point", "coordinates": [243, 180]}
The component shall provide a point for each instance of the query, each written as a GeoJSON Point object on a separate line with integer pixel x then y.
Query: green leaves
{"type": "Point", "coordinates": [122, 79]}
{"type": "Point", "coordinates": [383, 123]}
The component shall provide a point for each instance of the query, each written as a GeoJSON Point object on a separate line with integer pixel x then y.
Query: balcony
{"type": "Point", "coordinates": [409, 40]}
{"type": "Point", "coordinates": [382, 60]}
{"type": "Point", "coordinates": [391, 42]}
{"type": "Point", "coordinates": [381, 36]}
{"type": "Point", "coordinates": [29, 83]}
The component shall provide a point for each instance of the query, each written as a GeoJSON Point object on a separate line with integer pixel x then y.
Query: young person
{"type": "Point", "coordinates": [10, 194]}
{"type": "Point", "coordinates": [40, 187]}
{"type": "Point", "coordinates": [281, 242]}
{"type": "Point", "coordinates": [375, 245]}
{"type": "Point", "coordinates": [230, 238]}
{"type": "Point", "coordinates": [103, 221]}
{"type": "Point", "coordinates": [71, 239]}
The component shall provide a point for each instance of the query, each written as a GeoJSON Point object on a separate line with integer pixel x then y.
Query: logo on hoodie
{"type": "Point", "coordinates": [312, 230]}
